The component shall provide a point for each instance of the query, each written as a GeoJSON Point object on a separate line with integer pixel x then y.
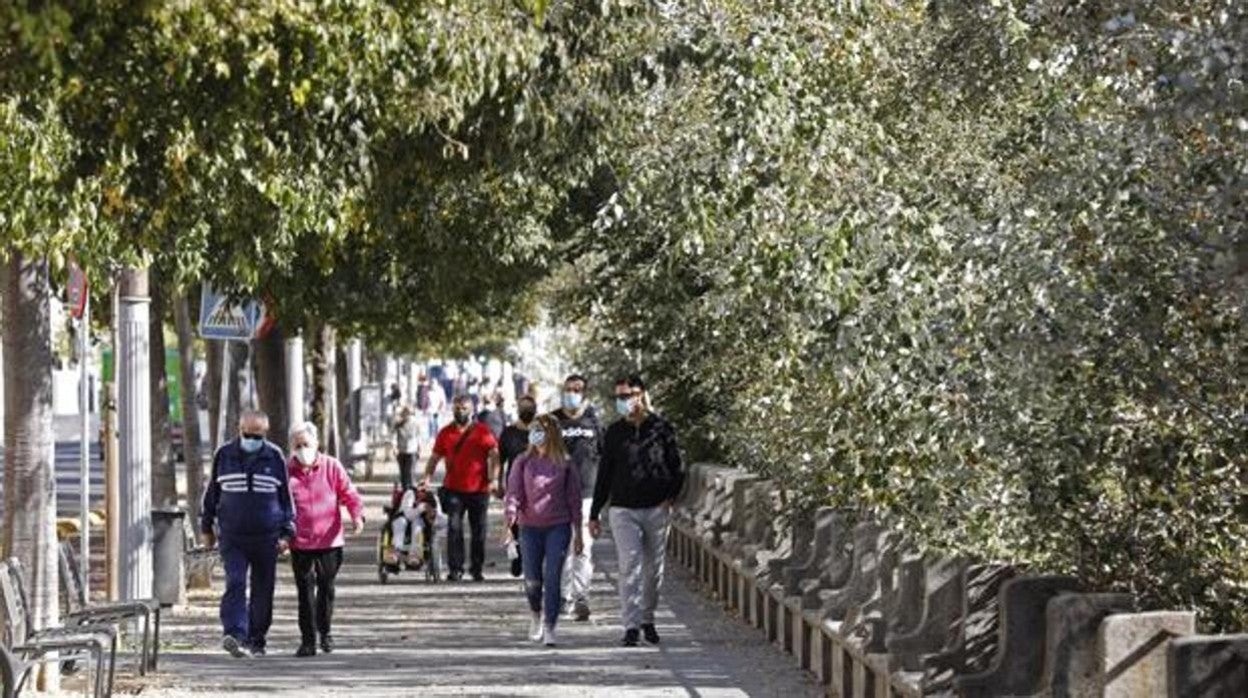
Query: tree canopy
{"type": "Point", "coordinates": [978, 268]}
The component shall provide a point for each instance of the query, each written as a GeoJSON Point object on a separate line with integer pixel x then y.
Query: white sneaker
{"type": "Point", "coordinates": [548, 636]}
{"type": "Point", "coordinates": [535, 628]}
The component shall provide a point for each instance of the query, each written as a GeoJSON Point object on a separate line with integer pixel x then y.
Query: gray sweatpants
{"type": "Point", "coordinates": [640, 543]}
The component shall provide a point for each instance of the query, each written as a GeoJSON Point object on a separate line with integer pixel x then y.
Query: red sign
{"type": "Point", "coordinates": [77, 294]}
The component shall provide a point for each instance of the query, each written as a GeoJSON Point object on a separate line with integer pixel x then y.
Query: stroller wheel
{"type": "Point", "coordinates": [433, 570]}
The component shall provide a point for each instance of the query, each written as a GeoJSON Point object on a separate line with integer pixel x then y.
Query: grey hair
{"type": "Point", "coordinates": [305, 428]}
{"type": "Point", "coordinates": [256, 415]}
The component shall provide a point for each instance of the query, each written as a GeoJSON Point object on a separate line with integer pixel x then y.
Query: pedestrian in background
{"type": "Point", "coordinates": [582, 434]}
{"type": "Point", "coordinates": [407, 444]}
{"type": "Point", "coordinates": [470, 452]}
{"type": "Point", "coordinates": [512, 444]}
{"type": "Point", "coordinates": [544, 499]}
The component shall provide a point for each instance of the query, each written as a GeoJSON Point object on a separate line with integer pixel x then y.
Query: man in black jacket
{"type": "Point", "coordinates": [640, 475]}
{"type": "Point", "coordinates": [582, 435]}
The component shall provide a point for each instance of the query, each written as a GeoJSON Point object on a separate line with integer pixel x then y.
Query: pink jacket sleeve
{"type": "Point", "coordinates": [348, 496]}
{"type": "Point", "coordinates": [514, 501]}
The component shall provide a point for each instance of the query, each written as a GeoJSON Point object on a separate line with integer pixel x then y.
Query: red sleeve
{"type": "Point", "coordinates": [439, 444]}
{"type": "Point", "coordinates": [488, 441]}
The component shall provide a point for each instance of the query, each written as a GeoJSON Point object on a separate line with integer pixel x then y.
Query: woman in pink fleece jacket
{"type": "Point", "coordinates": [544, 498]}
{"type": "Point", "coordinates": [320, 486]}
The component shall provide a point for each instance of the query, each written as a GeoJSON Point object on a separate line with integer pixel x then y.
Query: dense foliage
{"type": "Point", "coordinates": [314, 154]}
{"type": "Point", "coordinates": [977, 267]}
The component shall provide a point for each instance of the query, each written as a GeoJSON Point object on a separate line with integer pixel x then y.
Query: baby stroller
{"type": "Point", "coordinates": [416, 515]}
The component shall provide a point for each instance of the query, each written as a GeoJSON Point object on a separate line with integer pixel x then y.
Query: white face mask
{"type": "Point", "coordinates": [306, 454]}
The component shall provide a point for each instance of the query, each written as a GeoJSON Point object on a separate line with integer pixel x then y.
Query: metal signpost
{"type": "Point", "coordinates": [225, 320]}
{"type": "Point", "coordinates": [79, 308]}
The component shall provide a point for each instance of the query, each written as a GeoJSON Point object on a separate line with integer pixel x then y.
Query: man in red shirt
{"type": "Point", "coordinates": [472, 465]}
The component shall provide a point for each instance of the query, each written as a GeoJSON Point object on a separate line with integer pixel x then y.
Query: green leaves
{"type": "Point", "coordinates": [879, 258]}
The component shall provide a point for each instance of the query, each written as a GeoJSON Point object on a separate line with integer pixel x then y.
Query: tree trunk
{"type": "Point", "coordinates": [239, 352]}
{"type": "Point", "coordinates": [29, 531]}
{"type": "Point", "coordinates": [343, 395]}
{"type": "Point", "coordinates": [324, 370]}
{"type": "Point", "coordinates": [164, 469]}
{"type": "Point", "coordinates": [212, 389]}
{"type": "Point", "coordinates": [191, 438]}
{"type": "Point", "coordinates": [269, 359]}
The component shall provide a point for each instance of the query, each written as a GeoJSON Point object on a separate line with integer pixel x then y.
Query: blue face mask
{"type": "Point", "coordinates": [250, 445]}
{"type": "Point", "coordinates": [537, 437]}
{"type": "Point", "coordinates": [573, 401]}
{"type": "Point", "coordinates": [624, 405]}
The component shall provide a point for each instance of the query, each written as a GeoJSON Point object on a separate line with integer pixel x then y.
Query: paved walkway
{"type": "Point", "coordinates": [411, 637]}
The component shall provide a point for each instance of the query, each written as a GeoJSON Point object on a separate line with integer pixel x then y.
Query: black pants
{"type": "Point", "coordinates": [315, 571]}
{"type": "Point", "coordinates": [406, 460]}
{"type": "Point", "coordinates": [454, 504]}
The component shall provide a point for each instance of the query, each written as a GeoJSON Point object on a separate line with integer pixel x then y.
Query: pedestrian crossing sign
{"type": "Point", "coordinates": [225, 319]}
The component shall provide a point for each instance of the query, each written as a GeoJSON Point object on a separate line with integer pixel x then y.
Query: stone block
{"type": "Point", "coordinates": [1071, 669]}
{"type": "Point", "coordinates": [869, 541]}
{"type": "Point", "coordinates": [944, 607]}
{"type": "Point", "coordinates": [1132, 648]}
{"type": "Point", "coordinates": [831, 536]}
{"type": "Point", "coordinates": [1017, 669]}
{"type": "Point", "coordinates": [1209, 666]}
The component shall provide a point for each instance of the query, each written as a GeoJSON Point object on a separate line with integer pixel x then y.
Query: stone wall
{"type": "Point", "coordinates": [872, 616]}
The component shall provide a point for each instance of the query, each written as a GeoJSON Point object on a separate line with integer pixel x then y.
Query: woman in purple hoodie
{"type": "Point", "coordinates": [544, 498]}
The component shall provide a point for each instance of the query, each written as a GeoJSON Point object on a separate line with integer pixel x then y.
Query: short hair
{"type": "Point", "coordinates": [462, 399]}
{"type": "Point", "coordinates": [305, 428]}
{"type": "Point", "coordinates": [576, 377]}
{"type": "Point", "coordinates": [527, 398]}
{"type": "Point", "coordinates": [257, 415]}
{"type": "Point", "coordinates": [632, 381]}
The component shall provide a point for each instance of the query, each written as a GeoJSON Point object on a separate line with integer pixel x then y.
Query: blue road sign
{"type": "Point", "coordinates": [219, 318]}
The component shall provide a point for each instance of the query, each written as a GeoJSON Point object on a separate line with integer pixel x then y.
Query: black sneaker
{"type": "Point", "coordinates": [478, 577]}
{"type": "Point", "coordinates": [651, 635]}
{"type": "Point", "coordinates": [231, 644]}
{"type": "Point", "coordinates": [581, 610]}
{"type": "Point", "coordinates": [327, 644]}
{"type": "Point", "coordinates": [257, 651]}
{"type": "Point", "coordinates": [517, 567]}
{"type": "Point", "coordinates": [631, 637]}
{"type": "Point", "coordinates": [306, 649]}
{"type": "Point", "coordinates": [454, 576]}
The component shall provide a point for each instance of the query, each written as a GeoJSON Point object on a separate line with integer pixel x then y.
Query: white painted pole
{"type": "Point", "coordinates": [355, 378]}
{"type": "Point", "coordinates": [294, 379]}
{"type": "Point", "coordinates": [134, 399]}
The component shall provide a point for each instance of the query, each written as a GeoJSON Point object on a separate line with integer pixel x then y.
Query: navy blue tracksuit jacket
{"type": "Point", "coordinates": [248, 501]}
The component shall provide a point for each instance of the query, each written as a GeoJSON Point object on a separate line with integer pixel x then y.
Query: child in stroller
{"type": "Point", "coordinates": [409, 535]}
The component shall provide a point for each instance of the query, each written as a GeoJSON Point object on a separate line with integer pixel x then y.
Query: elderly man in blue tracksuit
{"type": "Point", "coordinates": [248, 501]}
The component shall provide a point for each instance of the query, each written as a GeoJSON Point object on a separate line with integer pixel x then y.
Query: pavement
{"type": "Point", "coordinates": [469, 639]}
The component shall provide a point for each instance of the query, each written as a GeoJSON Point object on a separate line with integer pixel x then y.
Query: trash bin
{"type": "Point", "coordinates": [168, 540]}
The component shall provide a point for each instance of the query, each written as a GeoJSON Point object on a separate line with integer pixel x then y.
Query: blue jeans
{"type": "Point", "coordinates": [543, 551]}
